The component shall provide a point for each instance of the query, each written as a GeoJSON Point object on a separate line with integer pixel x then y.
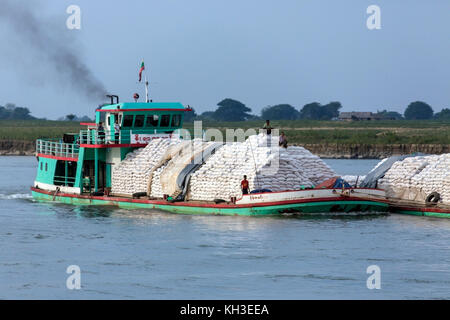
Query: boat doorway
{"type": "Point", "coordinates": [89, 176]}
{"type": "Point", "coordinates": [65, 173]}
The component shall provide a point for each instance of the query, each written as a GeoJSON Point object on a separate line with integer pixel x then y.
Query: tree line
{"type": "Point", "coordinates": [234, 110]}
{"type": "Point", "coordinates": [12, 112]}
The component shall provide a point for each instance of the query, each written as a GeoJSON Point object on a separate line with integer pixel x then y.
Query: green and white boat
{"type": "Point", "coordinates": [77, 169]}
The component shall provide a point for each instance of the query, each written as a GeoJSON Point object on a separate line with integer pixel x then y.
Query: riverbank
{"type": "Point", "coordinates": [17, 148]}
{"type": "Point", "coordinates": [325, 150]}
{"type": "Point", "coordinates": [368, 151]}
{"type": "Point", "coordinates": [327, 139]}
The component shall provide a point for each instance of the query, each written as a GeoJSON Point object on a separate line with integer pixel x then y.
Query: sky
{"type": "Point", "coordinates": [259, 52]}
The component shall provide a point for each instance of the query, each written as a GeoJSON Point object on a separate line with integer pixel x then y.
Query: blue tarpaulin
{"type": "Point", "coordinates": [340, 183]}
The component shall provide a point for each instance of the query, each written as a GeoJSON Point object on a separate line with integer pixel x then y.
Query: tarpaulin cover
{"type": "Point", "coordinates": [371, 180]}
{"type": "Point", "coordinates": [334, 183]}
{"type": "Point", "coordinates": [185, 175]}
{"type": "Point", "coordinates": [341, 183]}
{"type": "Point", "coordinates": [327, 184]}
{"type": "Point", "coordinates": [260, 191]}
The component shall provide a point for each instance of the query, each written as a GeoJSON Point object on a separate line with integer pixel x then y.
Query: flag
{"type": "Point", "coordinates": [140, 71]}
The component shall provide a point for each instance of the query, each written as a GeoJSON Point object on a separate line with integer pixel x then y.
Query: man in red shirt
{"type": "Point", "coordinates": [244, 185]}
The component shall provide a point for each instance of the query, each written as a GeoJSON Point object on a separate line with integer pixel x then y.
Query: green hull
{"type": "Point", "coordinates": [422, 213]}
{"type": "Point", "coordinates": [321, 207]}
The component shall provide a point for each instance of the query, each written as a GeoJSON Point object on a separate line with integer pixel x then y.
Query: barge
{"type": "Point", "coordinates": [77, 169]}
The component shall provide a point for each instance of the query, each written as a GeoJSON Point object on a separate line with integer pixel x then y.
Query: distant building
{"type": "Point", "coordinates": [359, 116]}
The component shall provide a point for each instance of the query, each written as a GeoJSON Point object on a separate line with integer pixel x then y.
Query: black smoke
{"type": "Point", "coordinates": [52, 44]}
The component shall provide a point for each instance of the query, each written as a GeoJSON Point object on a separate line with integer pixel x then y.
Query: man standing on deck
{"type": "Point", "coordinates": [101, 133]}
{"type": "Point", "coordinates": [116, 131]}
{"type": "Point", "coordinates": [244, 185]}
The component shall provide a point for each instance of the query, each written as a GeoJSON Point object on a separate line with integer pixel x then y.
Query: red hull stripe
{"type": "Point", "coordinates": [203, 205]}
{"type": "Point", "coordinates": [249, 195]}
{"type": "Point", "coordinates": [55, 157]}
{"type": "Point", "coordinates": [423, 209]}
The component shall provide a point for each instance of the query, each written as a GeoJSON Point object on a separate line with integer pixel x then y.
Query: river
{"type": "Point", "coordinates": [146, 254]}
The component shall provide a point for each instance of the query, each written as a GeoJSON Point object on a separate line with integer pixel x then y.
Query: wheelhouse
{"type": "Point", "coordinates": [82, 162]}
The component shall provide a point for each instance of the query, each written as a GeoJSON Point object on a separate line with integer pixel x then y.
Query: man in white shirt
{"type": "Point", "coordinates": [116, 131]}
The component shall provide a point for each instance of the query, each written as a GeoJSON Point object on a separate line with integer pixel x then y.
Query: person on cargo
{"type": "Point", "coordinates": [245, 186]}
{"type": "Point", "coordinates": [267, 127]}
{"type": "Point", "coordinates": [101, 133]}
{"type": "Point", "coordinates": [283, 141]}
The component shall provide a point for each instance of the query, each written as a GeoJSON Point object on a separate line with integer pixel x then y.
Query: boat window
{"type": "Point", "coordinates": [42, 166]}
{"type": "Point", "coordinates": [165, 120]}
{"type": "Point", "coordinates": [176, 120]}
{"type": "Point", "coordinates": [102, 117]}
{"type": "Point", "coordinates": [46, 167]}
{"type": "Point", "coordinates": [152, 121]}
{"type": "Point", "coordinates": [139, 121]}
{"type": "Point", "coordinates": [128, 121]}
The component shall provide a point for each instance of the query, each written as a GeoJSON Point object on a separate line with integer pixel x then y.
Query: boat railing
{"type": "Point", "coordinates": [57, 149]}
{"type": "Point", "coordinates": [64, 181]}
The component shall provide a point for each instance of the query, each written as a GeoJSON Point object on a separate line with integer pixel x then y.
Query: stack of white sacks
{"type": "Point", "coordinates": [133, 173]}
{"type": "Point", "coordinates": [266, 167]}
{"type": "Point", "coordinates": [416, 177]}
{"type": "Point", "coordinates": [156, 187]}
{"type": "Point", "coordinates": [273, 168]}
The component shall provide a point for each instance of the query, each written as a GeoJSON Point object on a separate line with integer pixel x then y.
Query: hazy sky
{"type": "Point", "coordinates": [260, 52]}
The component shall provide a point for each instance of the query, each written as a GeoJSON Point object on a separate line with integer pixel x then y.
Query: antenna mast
{"type": "Point", "coordinates": [146, 89]}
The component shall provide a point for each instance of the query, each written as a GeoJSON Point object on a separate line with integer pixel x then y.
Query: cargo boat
{"type": "Point", "coordinates": [77, 169]}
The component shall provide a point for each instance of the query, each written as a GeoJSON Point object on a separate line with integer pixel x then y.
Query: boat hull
{"type": "Point", "coordinates": [329, 205]}
{"type": "Point", "coordinates": [421, 211]}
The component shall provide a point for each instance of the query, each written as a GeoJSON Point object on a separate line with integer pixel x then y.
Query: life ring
{"type": "Point", "coordinates": [433, 197]}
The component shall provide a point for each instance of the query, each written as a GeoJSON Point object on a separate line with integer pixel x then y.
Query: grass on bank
{"type": "Point", "coordinates": [298, 132]}
{"type": "Point", "coordinates": [30, 130]}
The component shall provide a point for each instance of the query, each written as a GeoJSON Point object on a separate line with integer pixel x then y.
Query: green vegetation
{"type": "Point", "coordinates": [30, 130]}
{"type": "Point", "coordinates": [297, 131]}
{"type": "Point", "coordinates": [443, 115]}
{"type": "Point", "coordinates": [233, 110]}
{"type": "Point", "coordinates": [280, 112]}
{"type": "Point", "coordinates": [11, 111]}
{"type": "Point", "coordinates": [418, 111]}
{"type": "Point", "coordinates": [316, 111]}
